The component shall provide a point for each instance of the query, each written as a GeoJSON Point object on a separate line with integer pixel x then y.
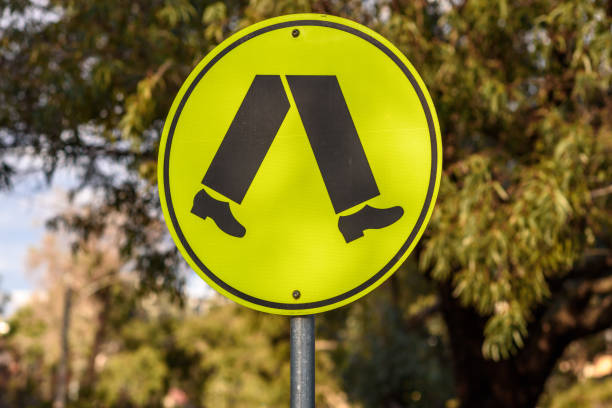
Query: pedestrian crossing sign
{"type": "Point", "coordinates": [299, 164]}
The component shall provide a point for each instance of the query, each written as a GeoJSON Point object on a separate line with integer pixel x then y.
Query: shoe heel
{"type": "Point", "coordinates": [353, 235]}
{"type": "Point", "coordinates": [199, 206]}
{"type": "Point", "coordinates": [349, 234]}
{"type": "Point", "coordinates": [194, 212]}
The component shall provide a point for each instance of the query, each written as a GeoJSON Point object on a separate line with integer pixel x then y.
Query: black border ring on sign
{"type": "Point", "coordinates": [415, 229]}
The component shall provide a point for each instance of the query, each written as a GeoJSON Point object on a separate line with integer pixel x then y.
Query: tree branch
{"type": "Point", "coordinates": [581, 305]}
{"type": "Point", "coordinates": [600, 192]}
{"type": "Point", "coordinates": [417, 319]}
{"type": "Point", "coordinates": [594, 265]}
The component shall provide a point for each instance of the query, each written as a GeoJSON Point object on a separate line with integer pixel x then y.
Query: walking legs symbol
{"type": "Point", "coordinates": [332, 135]}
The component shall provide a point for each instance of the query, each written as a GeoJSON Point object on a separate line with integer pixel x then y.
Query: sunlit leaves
{"type": "Point", "coordinates": [214, 18]}
{"type": "Point", "coordinates": [135, 377]}
{"type": "Point", "coordinates": [175, 12]}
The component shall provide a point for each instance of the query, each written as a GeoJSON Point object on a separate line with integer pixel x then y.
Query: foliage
{"type": "Point", "coordinates": [590, 394]}
{"type": "Point", "coordinates": [516, 206]}
{"type": "Point", "coordinates": [407, 362]}
{"type": "Point", "coordinates": [135, 377]}
{"type": "Point", "coordinates": [215, 352]}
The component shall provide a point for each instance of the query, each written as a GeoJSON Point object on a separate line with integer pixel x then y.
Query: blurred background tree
{"type": "Point", "coordinates": [514, 268]}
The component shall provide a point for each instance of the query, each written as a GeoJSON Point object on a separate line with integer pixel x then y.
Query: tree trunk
{"type": "Point", "coordinates": [62, 371]}
{"type": "Point", "coordinates": [580, 304]}
{"type": "Point", "coordinates": [516, 382]}
{"type": "Point", "coordinates": [103, 315]}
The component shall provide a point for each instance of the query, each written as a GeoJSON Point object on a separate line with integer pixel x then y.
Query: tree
{"type": "Point", "coordinates": [393, 345]}
{"type": "Point", "coordinates": [522, 251]}
{"type": "Point", "coordinates": [519, 244]}
{"type": "Point", "coordinates": [208, 352]}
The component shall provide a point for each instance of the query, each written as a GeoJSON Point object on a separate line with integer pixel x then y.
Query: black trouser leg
{"type": "Point", "coordinates": [248, 139]}
{"type": "Point", "coordinates": [334, 140]}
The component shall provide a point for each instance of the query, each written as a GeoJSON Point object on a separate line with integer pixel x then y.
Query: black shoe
{"type": "Point", "coordinates": [352, 226]}
{"type": "Point", "coordinates": [206, 206]}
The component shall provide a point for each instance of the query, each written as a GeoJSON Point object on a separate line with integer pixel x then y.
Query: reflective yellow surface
{"type": "Point", "coordinates": [292, 240]}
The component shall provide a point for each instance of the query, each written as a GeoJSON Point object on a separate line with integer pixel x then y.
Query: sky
{"type": "Point", "coordinates": [23, 212]}
{"type": "Point", "coordinates": [19, 229]}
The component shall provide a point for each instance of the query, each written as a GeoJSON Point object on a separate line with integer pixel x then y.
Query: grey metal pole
{"type": "Point", "coordinates": [302, 362]}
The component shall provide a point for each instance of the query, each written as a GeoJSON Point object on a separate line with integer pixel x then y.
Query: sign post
{"type": "Point", "coordinates": [302, 361]}
{"type": "Point", "coordinates": [298, 167]}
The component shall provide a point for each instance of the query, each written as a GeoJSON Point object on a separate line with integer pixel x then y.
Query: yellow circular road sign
{"type": "Point", "coordinates": [299, 164]}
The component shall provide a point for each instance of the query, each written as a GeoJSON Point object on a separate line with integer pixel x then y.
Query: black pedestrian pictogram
{"type": "Point", "coordinates": [333, 138]}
